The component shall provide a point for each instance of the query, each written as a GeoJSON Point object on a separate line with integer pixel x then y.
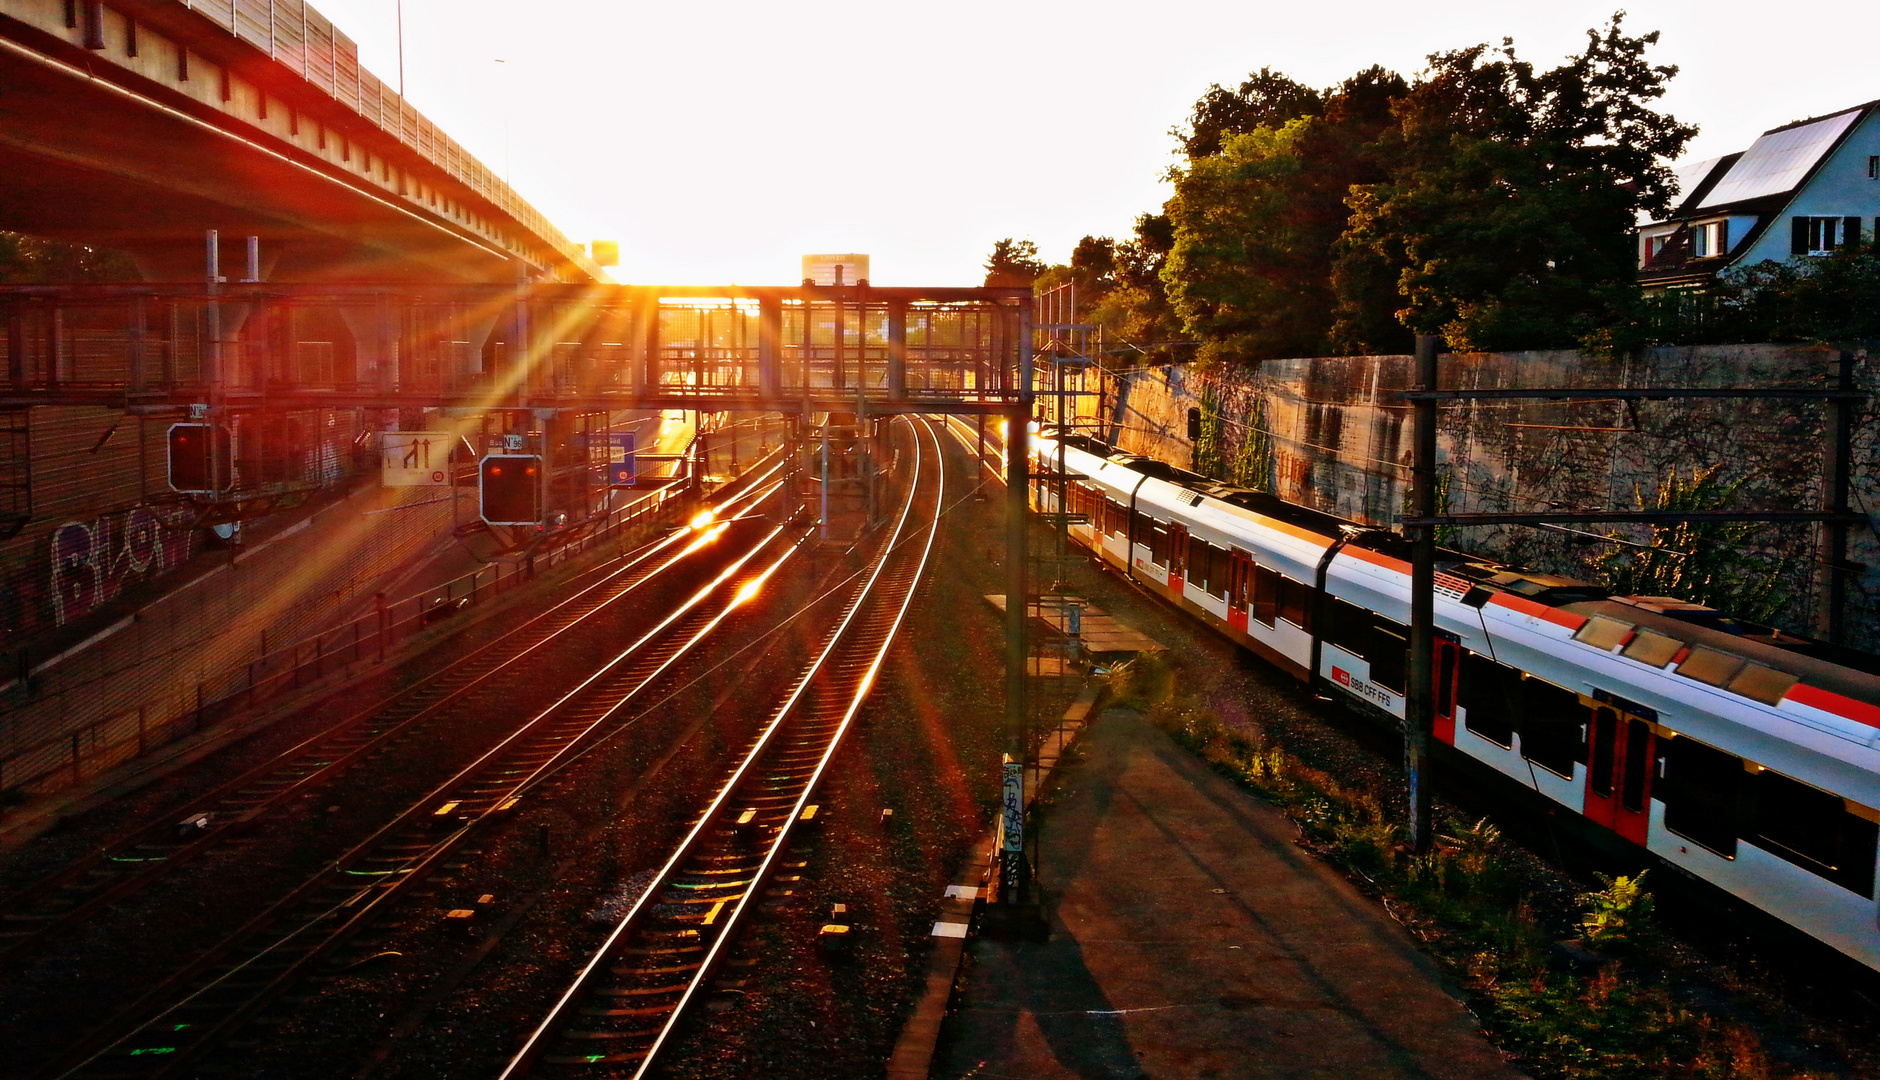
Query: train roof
{"type": "Point", "coordinates": [1847, 672]}
{"type": "Point", "coordinates": [1773, 649]}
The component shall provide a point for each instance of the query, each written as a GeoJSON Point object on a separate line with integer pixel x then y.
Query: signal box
{"type": "Point", "coordinates": [201, 459]}
{"type": "Point", "coordinates": [509, 489]}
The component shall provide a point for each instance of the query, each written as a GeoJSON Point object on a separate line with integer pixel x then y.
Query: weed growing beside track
{"type": "Point", "coordinates": [1491, 916]}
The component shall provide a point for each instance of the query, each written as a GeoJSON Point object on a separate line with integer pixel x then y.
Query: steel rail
{"type": "Point", "coordinates": [321, 757]}
{"type": "Point", "coordinates": [862, 624]}
{"type": "Point", "coordinates": [401, 852]}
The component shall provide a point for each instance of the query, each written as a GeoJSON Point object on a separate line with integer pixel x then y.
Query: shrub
{"type": "Point", "coordinates": [1616, 915]}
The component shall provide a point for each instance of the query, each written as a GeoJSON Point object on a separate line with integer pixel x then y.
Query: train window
{"type": "Point", "coordinates": [1759, 683]}
{"type": "Point", "coordinates": [1603, 633]}
{"type": "Point", "coordinates": [1605, 731]}
{"type": "Point", "coordinates": [1219, 567]}
{"type": "Point", "coordinates": [1115, 515]}
{"type": "Point", "coordinates": [1653, 650]}
{"type": "Point", "coordinates": [1157, 539]}
{"type": "Point", "coordinates": [1711, 666]}
{"type": "Point", "coordinates": [1198, 563]}
{"type": "Point", "coordinates": [1551, 722]}
{"type": "Point", "coordinates": [1701, 790]}
{"type": "Point", "coordinates": [1486, 690]}
{"type": "Point", "coordinates": [1347, 626]}
{"type": "Point", "coordinates": [1265, 594]}
{"type": "Point", "coordinates": [1295, 601]}
{"type": "Point", "coordinates": [1143, 529]}
{"type": "Point", "coordinates": [1814, 830]}
{"type": "Point", "coordinates": [1638, 736]}
{"type": "Point", "coordinates": [1388, 652]}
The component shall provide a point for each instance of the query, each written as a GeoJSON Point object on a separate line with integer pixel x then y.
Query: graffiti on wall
{"type": "Point", "coordinates": [93, 561]}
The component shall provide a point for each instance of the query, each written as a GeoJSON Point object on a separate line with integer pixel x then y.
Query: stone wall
{"type": "Point", "coordinates": [1333, 433]}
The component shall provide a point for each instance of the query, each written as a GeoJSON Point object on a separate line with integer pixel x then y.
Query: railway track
{"type": "Point", "coordinates": [623, 1008]}
{"type": "Point", "coordinates": [144, 853]}
{"type": "Point", "coordinates": [193, 1009]}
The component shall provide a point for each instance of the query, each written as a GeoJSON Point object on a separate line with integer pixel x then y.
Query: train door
{"type": "Point", "coordinates": [1177, 556]}
{"type": "Point", "coordinates": [1620, 750]}
{"type": "Point", "coordinates": [1239, 588]}
{"type": "Point", "coordinates": [1447, 659]}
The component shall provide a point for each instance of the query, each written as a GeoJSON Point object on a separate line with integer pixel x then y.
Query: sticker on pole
{"type": "Point", "coordinates": [415, 458]}
{"type": "Point", "coordinates": [1013, 821]}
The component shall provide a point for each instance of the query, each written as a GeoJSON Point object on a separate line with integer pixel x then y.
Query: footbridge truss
{"type": "Point", "coordinates": [237, 348]}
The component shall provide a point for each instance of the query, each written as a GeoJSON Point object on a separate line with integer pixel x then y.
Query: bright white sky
{"type": "Point", "coordinates": [720, 142]}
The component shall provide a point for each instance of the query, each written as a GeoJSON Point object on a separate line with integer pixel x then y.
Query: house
{"type": "Point", "coordinates": [1806, 188]}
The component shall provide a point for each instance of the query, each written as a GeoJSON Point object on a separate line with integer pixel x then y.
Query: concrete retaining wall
{"type": "Point", "coordinates": [1333, 433]}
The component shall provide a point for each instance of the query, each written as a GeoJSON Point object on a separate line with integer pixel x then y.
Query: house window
{"type": "Point", "coordinates": [1821, 235]}
{"type": "Point", "coordinates": [1709, 239]}
{"type": "Point", "coordinates": [1873, 166]}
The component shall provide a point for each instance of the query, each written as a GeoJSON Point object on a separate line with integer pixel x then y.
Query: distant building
{"type": "Point", "coordinates": [1806, 188]}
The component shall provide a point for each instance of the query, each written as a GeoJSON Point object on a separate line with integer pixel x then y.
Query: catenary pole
{"type": "Point", "coordinates": [1420, 699]}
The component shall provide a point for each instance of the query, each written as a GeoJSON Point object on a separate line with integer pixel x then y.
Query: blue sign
{"type": "Point", "coordinates": [621, 440]}
{"type": "Point", "coordinates": [621, 473]}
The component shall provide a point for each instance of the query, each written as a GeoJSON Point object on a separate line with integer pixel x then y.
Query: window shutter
{"type": "Point", "coordinates": [1798, 236]}
{"type": "Point", "coordinates": [1850, 233]}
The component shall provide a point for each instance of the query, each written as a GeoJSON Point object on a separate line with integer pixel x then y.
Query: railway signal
{"type": "Point", "coordinates": [509, 488]}
{"type": "Point", "coordinates": [201, 461]}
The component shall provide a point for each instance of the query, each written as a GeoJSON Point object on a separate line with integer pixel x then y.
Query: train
{"type": "Point", "coordinates": [1740, 755]}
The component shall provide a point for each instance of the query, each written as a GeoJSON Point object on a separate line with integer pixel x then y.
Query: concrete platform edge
{"type": "Point", "coordinates": [913, 1054]}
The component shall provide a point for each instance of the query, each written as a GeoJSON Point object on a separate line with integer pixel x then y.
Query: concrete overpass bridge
{"type": "Point", "coordinates": [136, 125]}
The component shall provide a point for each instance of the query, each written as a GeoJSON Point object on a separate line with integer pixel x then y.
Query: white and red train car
{"type": "Point", "coordinates": [1746, 758]}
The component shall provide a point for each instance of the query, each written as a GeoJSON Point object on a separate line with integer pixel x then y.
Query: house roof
{"type": "Point", "coordinates": [1780, 161]}
{"type": "Point", "coordinates": [1695, 179]}
{"type": "Point", "coordinates": [1762, 177]}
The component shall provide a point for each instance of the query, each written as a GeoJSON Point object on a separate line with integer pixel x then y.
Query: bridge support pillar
{"type": "Point", "coordinates": [770, 347]}
{"type": "Point", "coordinates": [897, 350]}
{"type": "Point", "coordinates": [644, 352]}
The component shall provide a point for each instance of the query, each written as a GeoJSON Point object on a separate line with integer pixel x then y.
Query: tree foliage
{"type": "Point", "coordinates": [1510, 207]}
{"type": "Point", "coordinates": [1013, 264]}
{"type": "Point", "coordinates": [1267, 99]}
{"type": "Point", "coordinates": [1827, 300]}
{"type": "Point", "coordinates": [1487, 201]}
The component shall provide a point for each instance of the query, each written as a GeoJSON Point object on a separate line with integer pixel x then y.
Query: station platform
{"type": "Point", "coordinates": [1190, 937]}
{"type": "Point", "coordinates": [1098, 631]}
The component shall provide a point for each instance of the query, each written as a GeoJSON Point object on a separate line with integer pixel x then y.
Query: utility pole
{"type": "Point", "coordinates": [213, 253]}
{"type": "Point", "coordinates": [1012, 876]}
{"type": "Point", "coordinates": [1831, 617]}
{"type": "Point", "coordinates": [1420, 693]}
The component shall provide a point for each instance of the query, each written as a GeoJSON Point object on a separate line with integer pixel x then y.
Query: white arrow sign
{"type": "Point", "coordinates": [415, 458]}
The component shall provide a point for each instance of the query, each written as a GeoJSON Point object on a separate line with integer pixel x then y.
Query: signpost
{"type": "Point", "coordinates": [415, 458]}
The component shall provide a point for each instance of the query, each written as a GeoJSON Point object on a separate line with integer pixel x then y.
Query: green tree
{"type": "Point", "coordinates": [1828, 299]}
{"type": "Point", "coordinates": [1508, 212]}
{"type": "Point", "coordinates": [1134, 309]}
{"type": "Point", "coordinates": [1267, 99]}
{"type": "Point", "coordinates": [1013, 264]}
{"type": "Point", "coordinates": [1254, 223]}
